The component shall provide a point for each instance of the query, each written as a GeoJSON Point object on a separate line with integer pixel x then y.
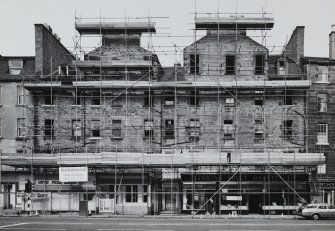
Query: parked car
{"type": "Point", "coordinates": [317, 211]}
{"type": "Point", "coordinates": [299, 210]}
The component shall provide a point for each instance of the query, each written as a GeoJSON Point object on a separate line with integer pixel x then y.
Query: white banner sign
{"type": "Point", "coordinates": [73, 174]}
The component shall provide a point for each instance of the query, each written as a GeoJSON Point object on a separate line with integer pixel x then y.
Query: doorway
{"type": "Point", "coordinates": [255, 203]}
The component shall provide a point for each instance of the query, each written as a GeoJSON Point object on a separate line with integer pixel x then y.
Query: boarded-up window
{"type": "Point", "coordinates": [259, 64]}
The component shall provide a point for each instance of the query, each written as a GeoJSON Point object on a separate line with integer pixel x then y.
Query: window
{"type": "Point", "coordinates": [49, 100]}
{"type": "Point", "coordinates": [76, 98]}
{"type": "Point", "coordinates": [228, 129]}
{"type": "Point", "coordinates": [258, 121]}
{"type": "Point", "coordinates": [322, 136]}
{"type": "Point", "coordinates": [96, 99]}
{"type": "Point", "coordinates": [95, 128]}
{"type": "Point", "coordinates": [194, 98]}
{"type": "Point", "coordinates": [322, 74]}
{"type": "Point", "coordinates": [288, 99]}
{"type": "Point", "coordinates": [169, 128]}
{"type": "Point", "coordinates": [169, 100]}
{"type": "Point", "coordinates": [281, 68]}
{"type": "Point", "coordinates": [259, 101]}
{"type": "Point", "coordinates": [21, 127]}
{"type": "Point", "coordinates": [194, 130]}
{"type": "Point", "coordinates": [49, 127]}
{"type": "Point", "coordinates": [76, 128]}
{"type": "Point", "coordinates": [148, 128]}
{"type": "Point", "coordinates": [194, 64]}
{"type": "Point", "coordinates": [131, 193]}
{"type": "Point", "coordinates": [148, 99]}
{"type": "Point", "coordinates": [259, 67]}
{"type": "Point", "coordinates": [15, 66]}
{"type": "Point", "coordinates": [259, 136]}
{"type": "Point", "coordinates": [20, 95]}
{"type": "Point", "coordinates": [230, 65]}
{"type": "Point", "coordinates": [322, 102]}
{"type": "Point", "coordinates": [116, 128]}
{"type": "Point", "coordinates": [288, 129]}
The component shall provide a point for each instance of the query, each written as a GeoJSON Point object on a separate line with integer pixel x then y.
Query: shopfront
{"type": "Point", "coordinates": [243, 193]}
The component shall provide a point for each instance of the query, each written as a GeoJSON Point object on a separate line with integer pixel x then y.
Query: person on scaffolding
{"type": "Point", "coordinates": [210, 206]}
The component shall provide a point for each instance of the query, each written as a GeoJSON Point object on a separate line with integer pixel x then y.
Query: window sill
{"type": "Point", "coordinates": [46, 105]}
{"type": "Point", "coordinates": [95, 106]}
{"type": "Point", "coordinates": [322, 143]}
{"type": "Point", "coordinates": [20, 138]}
{"type": "Point", "coordinates": [20, 105]}
{"type": "Point", "coordinates": [116, 138]}
{"type": "Point", "coordinates": [322, 82]}
{"type": "Point", "coordinates": [76, 105]}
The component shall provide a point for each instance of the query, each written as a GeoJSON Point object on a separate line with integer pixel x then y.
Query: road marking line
{"type": "Point", "coordinates": [135, 229]}
{"type": "Point", "coordinates": [253, 224]}
{"type": "Point", "coordinates": [4, 226]}
{"type": "Point", "coordinates": [44, 229]}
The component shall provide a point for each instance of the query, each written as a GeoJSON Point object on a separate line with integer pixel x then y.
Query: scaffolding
{"type": "Point", "coordinates": [243, 149]}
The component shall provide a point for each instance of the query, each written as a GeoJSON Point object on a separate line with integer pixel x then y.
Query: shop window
{"type": "Point", "coordinates": [259, 64]}
{"type": "Point", "coordinates": [230, 65]}
{"type": "Point", "coordinates": [194, 64]}
{"type": "Point", "coordinates": [117, 128]}
{"type": "Point", "coordinates": [15, 67]}
{"type": "Point", "coordinates": [76, 128]}
{"type": "Point", "coordinates": [95, 128]}
{"type": "Point", "coordinates": [148, 99]}
{"type": "Point", "coordinates": [322, 135]}
{"type": "Point", "coordinates": [288, 130]}
{"type": "Point", "coordinates": [259, 101]}
{"type": "Point", "coordinates": [169, 128]}
{"type": "Point", "coordinates": [49, 100]}
{"type": "Point", "coordinates": [194, 98]}
{"type": "Point", "coordinates": [131, 193]}
{"type": "Point", "coordinates": [145, 193]}
{"type": "Point", "coordinates": [322, 102]}
{"type": "Point", "coordinates": [148, 128]}
{"type": "Point", "coordinates": [49, 128]}
{"type": "Point", "coordinates": [20, 95]}
{"type": "Point", "coordinates": [21, 127]}
{"type": "Point", "coordinates": [322, 74]}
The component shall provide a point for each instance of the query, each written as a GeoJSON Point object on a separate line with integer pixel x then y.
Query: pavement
{"type": "Point", "coordinates": [98, 223]}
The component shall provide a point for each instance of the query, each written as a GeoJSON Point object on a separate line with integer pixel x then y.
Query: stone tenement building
{"type": "Point", "coordinates": [229, 130]}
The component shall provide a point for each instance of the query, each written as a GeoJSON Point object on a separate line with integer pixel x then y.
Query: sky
{"type": "Point", "coordinates": [174, 22]}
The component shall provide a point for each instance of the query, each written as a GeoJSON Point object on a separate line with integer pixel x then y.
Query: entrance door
{"type": "Point", "coordinates": [255, 203]}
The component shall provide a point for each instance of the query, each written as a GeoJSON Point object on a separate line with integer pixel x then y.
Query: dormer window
{"type": "Point", "coordinates": [281, 68]}
{"type": "Point", "coordinates": [15, 66]}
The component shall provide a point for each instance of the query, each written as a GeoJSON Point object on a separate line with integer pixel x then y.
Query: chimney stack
{"type": "Point", "coordinates": [332, 43]}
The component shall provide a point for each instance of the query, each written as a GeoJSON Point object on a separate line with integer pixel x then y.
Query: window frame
{"type": "Point", "coordinates": [230, 69]}
{"type": "Point", "coordinates": [11, 67]}
{"type": "Point", "coordinates": [116, 128]}
{"type": "Point", "coordinates": [95, 128]}
{"type": "Point", "coordinates": [75, 130]}
{"type": "Point", "coordinates": [49, 130]}
{"type": "Point", "coordinates": [131, 193]}
{"type": "Point", "coordinates": [322, 102]}
{"type": "Point", "coordinates": [322, 137]}
{"type": "Point", "coordinates": [169, 128]}
{"type": "Point", "coordinates": [194, 64]}
{"type": "Point", "coordinates": [148, 123]}
{"type": "Point", "coordinates": [21, 97]}
{"type": "Point", "coordinates": [259, 69]}
{"type": "Point", "coordinates": [21, 129]}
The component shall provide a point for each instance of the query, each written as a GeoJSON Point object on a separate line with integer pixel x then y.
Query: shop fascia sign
{"type": "Point", "coordinates": [73, 174]}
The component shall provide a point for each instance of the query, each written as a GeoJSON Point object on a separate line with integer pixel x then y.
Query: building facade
{"type": "Point", "coordinates": [226, 131]}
